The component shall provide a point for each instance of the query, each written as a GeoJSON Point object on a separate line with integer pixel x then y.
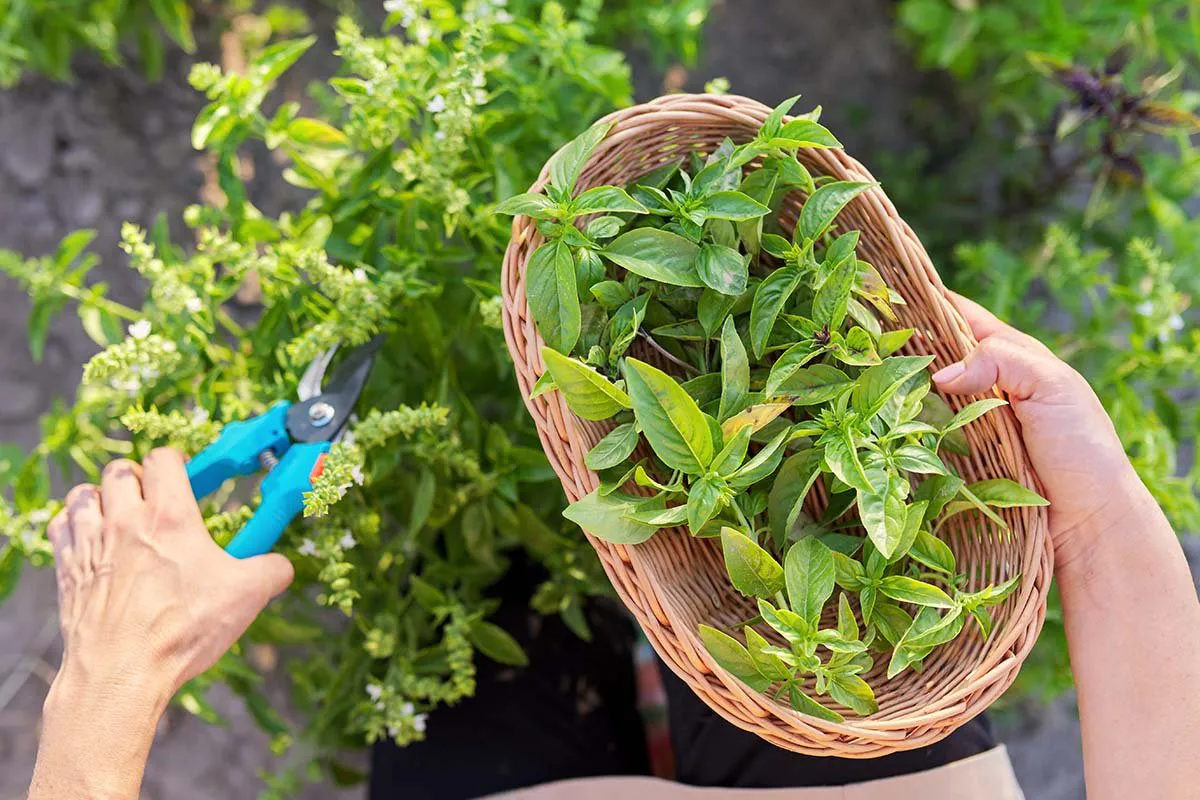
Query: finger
{"type": "Point", "coordinates": [121, 490]}
{"type": "Point", "coordinates": [267, 576]}
{"type": "Point", "coordinates": [1018, 371]}
{"type": "Point", "coordinates": [984, 324]}
{"type": "Point", "coordinates": [87, 524]}
{"type": "Point", "coordinates": [59, 532]}
{"type": "Point", "coordinates": [165, 484]}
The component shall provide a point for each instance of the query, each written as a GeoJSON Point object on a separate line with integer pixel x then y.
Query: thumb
{"type": "Point", "coordinates": [1019, 372]}
{"type": "Point", "coordinates": [267, 576]}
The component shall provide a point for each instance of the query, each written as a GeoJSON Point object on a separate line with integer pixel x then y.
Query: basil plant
{"type": "Point", "coordinates": [780, 375]}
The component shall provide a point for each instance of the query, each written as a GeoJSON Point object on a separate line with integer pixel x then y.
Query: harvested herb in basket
{"type": "Point", "coordinates": [766, 375]}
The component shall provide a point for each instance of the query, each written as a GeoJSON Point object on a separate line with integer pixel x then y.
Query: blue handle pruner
{"type": "Point", "coordinates": [290, 441]}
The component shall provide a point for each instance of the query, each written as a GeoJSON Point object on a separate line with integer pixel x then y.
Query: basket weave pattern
{"type": "Point", "coordinates": [674, 582]}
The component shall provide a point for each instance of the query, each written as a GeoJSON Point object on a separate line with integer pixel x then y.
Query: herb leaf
{"type": "Point", "coordinates": [658, 255]}
{"type": "Point", "coordinates": [808, 570]}
{"type": "Point", "coordinates": [670, 419]}
{"type": "Point", "coordinates": [553, 296]}
{"type": "Point", "coordinates": [823, 206]}
{"type": "Point", "coordinates": [613, 449]}
{"type": "Point", "coordinates": [735, 372]}
{"type": "Point", "coordinates": [752, 570]}
{"type": "Point", "coordinates": [588, 393]}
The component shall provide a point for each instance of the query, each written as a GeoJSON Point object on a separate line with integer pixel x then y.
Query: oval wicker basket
{"type": "Point", "coordinates": [674, 582]}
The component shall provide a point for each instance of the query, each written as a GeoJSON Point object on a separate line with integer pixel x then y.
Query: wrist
{"type": "Point", "coordinates": [1124, 523]}
{"type": "Point", "coordinates": [97, 730]}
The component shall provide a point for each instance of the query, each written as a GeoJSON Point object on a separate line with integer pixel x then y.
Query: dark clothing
{"type": "Point", "coordinates": [573, 714]}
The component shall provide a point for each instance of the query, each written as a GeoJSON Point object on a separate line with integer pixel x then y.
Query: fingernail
{"type": "Point", "coordinates": [947, 374]}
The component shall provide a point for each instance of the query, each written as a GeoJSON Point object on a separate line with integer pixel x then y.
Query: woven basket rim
{"type": "Point", "coordinates": [920, 718]}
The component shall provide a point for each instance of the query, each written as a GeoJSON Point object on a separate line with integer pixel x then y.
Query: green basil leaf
{"type": "Point", "coordinates": [712, 310]}
{"type": "Point", "coordinates": [891, 341]}
{"type": "Point", "coordinates": [857, 348]}
{"type": "Point", "coordinates": [973, 412]}
{"type": "Point", "coordinates": [809, 572]}
{"type": "Point", "coordinates": [931, 551]}
{"type": "Point", "coordinates": [938, 491]}
{"type": "Point", "coordinates": [842, 459]}
{"type": "Point", "coordinates": [768, 664]}
{"type": "Point", "coordinates": [669, 418]}
{"type": "Point", "coordinates": [733, 454]}
{"type": "Point", "coordinates": [806, 705]}
{"type": "Point", "coordinates": [752, 570]}
{"type": "Point", "coordinates": [911, 590]}
{"type": "Point", "coordinates": [567, 163]}
{"type": "Point", "coordinates": [553, 295]}
{"type": "Point", "coordinates": [788, 624]}
{"type": "Point", "coordinates": [774, 121]}
{"type": "Point", "coordinates": [1004, 493]}
{"type": "Point", "coordinates": [607, 517]}
{"type": "Point", "coordinates": [792, 484]}
{"type": "Point", "coordinates": [984, 620]}
{"type": "Point", "coordinates": [823, 206]}
{"type": "Point", "coordinates": [993, 595]}
{"type": "Point", "coordinates": [848, 573]}
{"type": "Point", "coordinates": [735, 372]}
{"type": "Point", "coordinates": [847, 624]}
{"type": "Point", "coordinates": [722, 269]}
{"type": "Point", "coordinates": [764, 462]}
{"type": "Point", "coordinates": [805, 133]}
{"type": "Point", "coordinates": [614, 448]}
{"type": "Point", "coordinates": [607, 199]}
{"type": "Point", "coordinates": [786, 365]}
{"type": "Point", "coordinates": [687, 331]}
{"type": "Point", "coordinates": [829, 303]}
{"type": "Point", "coordinates": [611, 294]}
{"type": "Point", "coordinates": [497, 644]}
{"type": "Point", "coordinates": [588, 272]}
{"type": "Point", "coordinates": [704, 500]}
{"type": "Point", "coordinates": [604, 227]}
{"type": "Point", "coordinates": [530, 204]}
{"type": "Point", "coordinates": [882, 512]}
{"type": "Point", "coordinates": [588, 393]}
{"type": "Point", "coordinates": [878, 383]}
{"type": "Point", "coordinates": [890, 620]}
{"type": "Point", "coordinates": [944, 630]}
{"type": "Point", "coordinates": [704, 389]}
{"type": "Point", "coordinates": [853, 692]}
{"type": "Point", "coordinates": [814, 385]}
{"type": "Point", "coordinates": [915, 458]}
{"type": "Point", "coordinates": [733, 658]}
{"type": "Point", "coordinates": [656, 254]}
{"type": "Point", "coordinates": [769, 300]}
{"type": "Point", "coordinates": [776, 245]}
{"type": "Point", "coordinates": [660, 517]}
{"type": "Point", "coordinates": [914, 517]}
{"type": "Point", "coordinates": [733, 206]}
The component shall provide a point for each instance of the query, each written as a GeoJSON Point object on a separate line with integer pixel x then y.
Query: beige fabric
{"type": "Point", "coordinates": [987, 776]}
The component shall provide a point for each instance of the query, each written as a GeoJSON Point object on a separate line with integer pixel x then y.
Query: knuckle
{"type": "Point", "coordinates": [120, 468]}
{"type": "Point", "coordinates": [163, 455]}
{"type": "Point", "coordinates": [80, 496]}
{"type": "Point", "coordinates": [58, 527]}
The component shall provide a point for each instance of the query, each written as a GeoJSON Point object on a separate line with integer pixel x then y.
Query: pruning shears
{"type": "Point", "coordinates": [289, 441]}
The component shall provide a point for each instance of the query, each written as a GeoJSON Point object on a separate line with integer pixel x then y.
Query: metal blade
{"type": "Point", "coordinates": [322, 416]}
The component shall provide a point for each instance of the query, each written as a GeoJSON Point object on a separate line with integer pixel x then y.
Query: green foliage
{"type": "Point", "coordinates": [443, 482]}
{"type": "Point", "coordinates": [738, 460]}
{"type": "Point", "coordinates": [1065, 204]}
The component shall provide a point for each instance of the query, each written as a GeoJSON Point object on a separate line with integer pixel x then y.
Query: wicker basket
{"type": "Point", "coordinates": [674, 582]}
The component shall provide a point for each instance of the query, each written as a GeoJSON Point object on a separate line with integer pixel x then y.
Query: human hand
{"type": "Point", "coordinates": [147, 601]}
{"type": "Point", "coordinates": [146, 597]}
{"type": "Point", "coordinates": [1091, 486]}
